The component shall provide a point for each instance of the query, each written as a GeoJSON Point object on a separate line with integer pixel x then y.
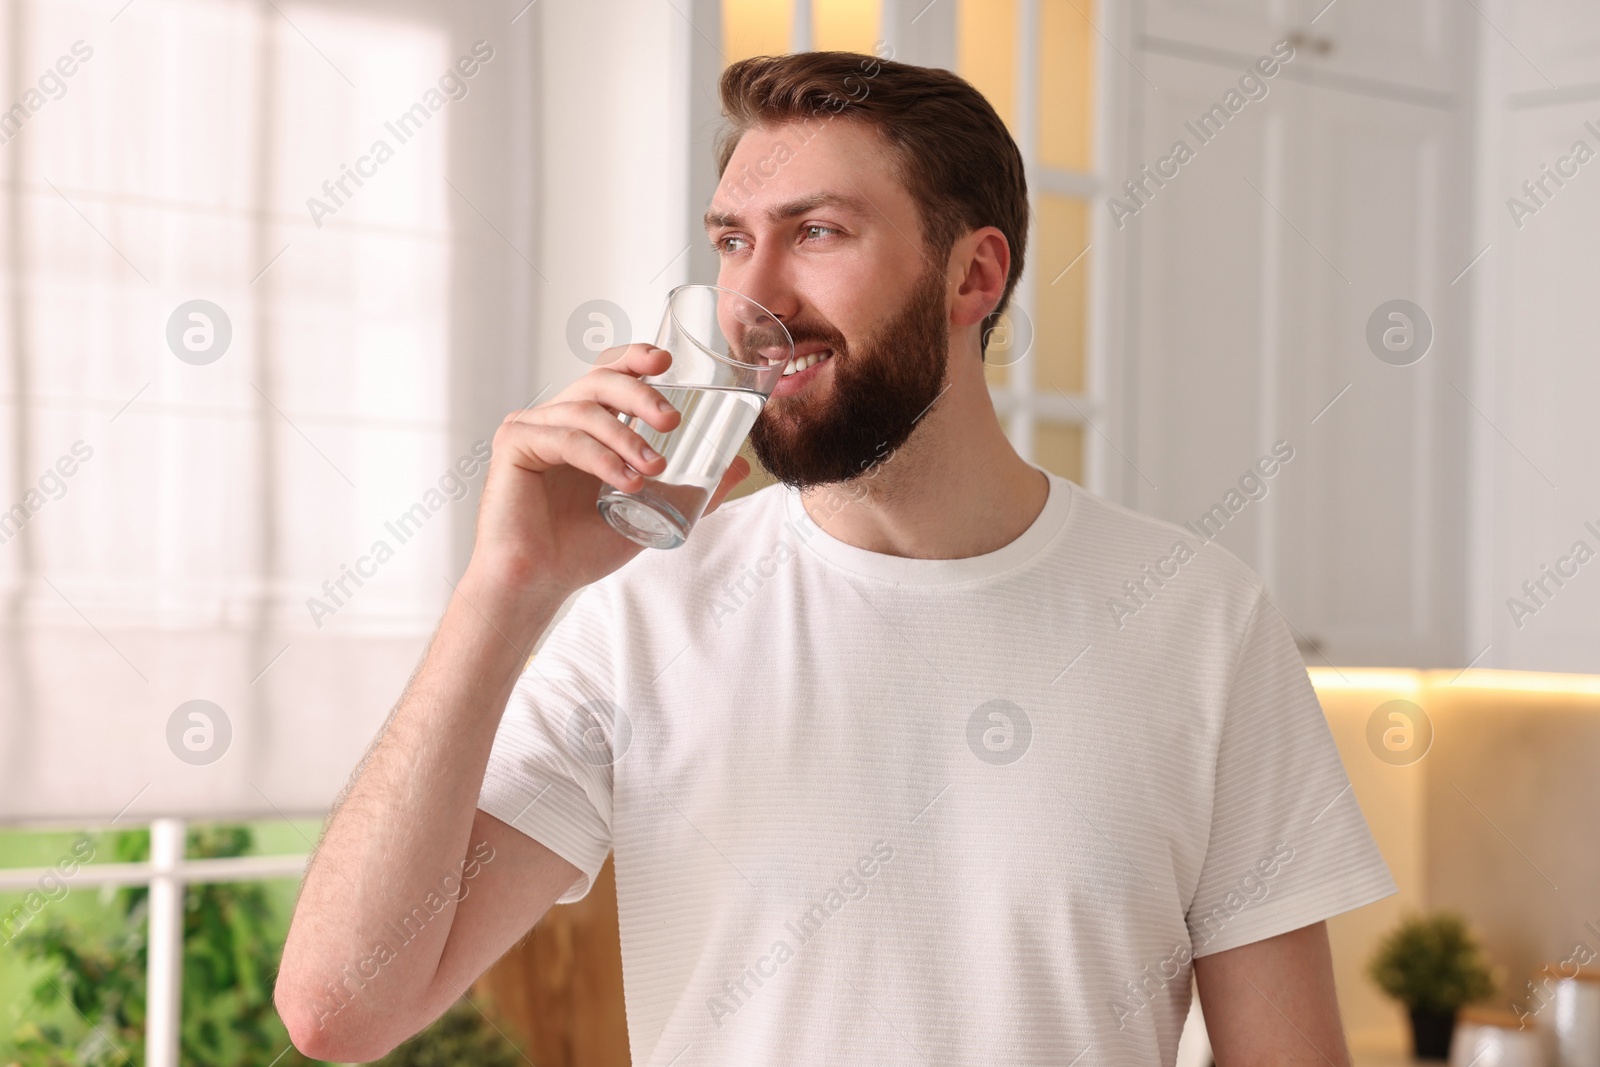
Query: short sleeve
{"type": "Point", "coordinates": [1288, 845]}
{"type": "Point", "coordinates": [550, 768]}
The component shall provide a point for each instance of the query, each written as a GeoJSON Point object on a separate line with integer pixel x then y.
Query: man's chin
{"type": "Point", "coordinates": [791, 464]}
{"type": "Point", "coordinates": [789, 420]}
{"type": "Point", "coordinates": [806, 485]}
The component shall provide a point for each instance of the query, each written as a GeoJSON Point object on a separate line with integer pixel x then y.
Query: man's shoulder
{"type": "Point", "coordinates": [1118, 536]}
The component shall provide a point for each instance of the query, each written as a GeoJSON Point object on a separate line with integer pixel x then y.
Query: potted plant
{"type": "Point", "coordinates": [1433, 965]}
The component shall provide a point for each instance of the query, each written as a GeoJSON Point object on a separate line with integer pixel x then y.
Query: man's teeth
{"type": "Point", "coordinates": [805, 361]}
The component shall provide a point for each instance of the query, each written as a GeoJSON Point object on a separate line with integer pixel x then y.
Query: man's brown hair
{"type": "Point", "coordinates": [954, 154]}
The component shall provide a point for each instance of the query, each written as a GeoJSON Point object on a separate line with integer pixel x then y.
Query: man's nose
{"type": "Point", "coordinates": [765, 280]}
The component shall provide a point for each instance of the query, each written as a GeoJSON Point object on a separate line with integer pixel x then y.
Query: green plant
{"type": "Point", "coordinates": [462, 1035]}
{"type": "Point", "coordinates": [228, 1017]}
{"type": "Point", "coordinates": [231, 944]}
{"type": "Point", "coordinates": [1432, 963]}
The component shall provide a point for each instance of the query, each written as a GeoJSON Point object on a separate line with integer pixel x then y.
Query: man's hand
{"type": "Point", "coordinates": [537, 522]}
{"type": "Point", "coordinates": [1272, 1003]}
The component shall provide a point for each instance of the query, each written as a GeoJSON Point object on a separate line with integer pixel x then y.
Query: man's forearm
{"type": "Point", "coordinates": [403, 825]}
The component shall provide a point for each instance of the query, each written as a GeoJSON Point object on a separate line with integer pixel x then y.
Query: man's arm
{"type": "Point", "coordinates": [1272, 1003]}
{"type": "Point", "coordinates": [413, 891]}
{"type": "Point", "coordinates": [369, 961]}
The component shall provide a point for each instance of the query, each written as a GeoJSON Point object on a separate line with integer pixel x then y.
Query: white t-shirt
{"type": "Point", "coordinates": [871, 809]}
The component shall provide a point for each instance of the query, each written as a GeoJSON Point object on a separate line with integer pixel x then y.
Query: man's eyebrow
{"type": "Point", "coordinates": [780, 212]}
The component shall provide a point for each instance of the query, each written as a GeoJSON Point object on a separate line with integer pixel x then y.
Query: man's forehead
{"type": "Point", "coordinates": [781, 171]}
{"type": "Point", "coordinates": [819, 135]}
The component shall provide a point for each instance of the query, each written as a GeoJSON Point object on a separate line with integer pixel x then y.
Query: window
{"type": "Point", "coordinates": [169, 504]}
{"type": "Point", "coordinates": [1036, 61]}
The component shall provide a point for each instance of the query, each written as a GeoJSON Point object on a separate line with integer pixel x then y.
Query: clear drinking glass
{"type": "Point", "coordinates": [728, 353]}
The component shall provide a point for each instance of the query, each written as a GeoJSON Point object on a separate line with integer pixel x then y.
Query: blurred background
{"type": "Point", "coordinates": [275, 270]}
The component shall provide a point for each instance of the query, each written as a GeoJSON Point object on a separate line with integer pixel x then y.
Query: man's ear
{"type": "Point", "coordinates": [981, 261]}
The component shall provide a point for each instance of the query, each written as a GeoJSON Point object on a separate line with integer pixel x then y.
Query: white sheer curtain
{"type": "Point", "coordinates": [164, 521]}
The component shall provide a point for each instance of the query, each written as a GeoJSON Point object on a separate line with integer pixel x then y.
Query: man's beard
{"type": "Point", "coordinates": [821, 436]}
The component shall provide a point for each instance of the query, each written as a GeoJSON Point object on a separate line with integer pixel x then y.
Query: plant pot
{"type": "Point", "coordinates": [1431, 1032]}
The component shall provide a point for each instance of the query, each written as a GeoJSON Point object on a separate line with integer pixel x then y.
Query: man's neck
{"type": "Point", "coordinates": [955, 489]}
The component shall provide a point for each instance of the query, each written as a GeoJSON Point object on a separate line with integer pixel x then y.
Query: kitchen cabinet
{"type": "Point", "coordinates": [1250, 276]}
{"type": "Point", "coordinates": [1540, 493]}
{"type": "Point", "coordinates": [1375, 46]}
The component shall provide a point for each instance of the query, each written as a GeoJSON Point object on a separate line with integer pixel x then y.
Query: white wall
{"type": "Point", "coordinates": [616, 115]}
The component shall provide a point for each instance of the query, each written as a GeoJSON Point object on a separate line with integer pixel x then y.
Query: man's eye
{"type": "Point", "coordinates": [819, 226]}
{"type": "Point", "coordinates": [720, 245]}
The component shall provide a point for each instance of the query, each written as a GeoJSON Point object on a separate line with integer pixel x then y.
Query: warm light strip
{"type": "Point", "coordinates": [1387, 679]}
{"type": "Point", "coordinates": [1515, 681]}
{"type": "Point", "coordinates": [1413, 682]}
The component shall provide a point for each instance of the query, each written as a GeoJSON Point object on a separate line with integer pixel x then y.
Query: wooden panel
{"type": "Point", "coordinates": [559, 991]}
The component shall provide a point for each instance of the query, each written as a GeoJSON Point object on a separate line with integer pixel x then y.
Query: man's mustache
{"type": "Point", "coordinates": [759, 338]}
